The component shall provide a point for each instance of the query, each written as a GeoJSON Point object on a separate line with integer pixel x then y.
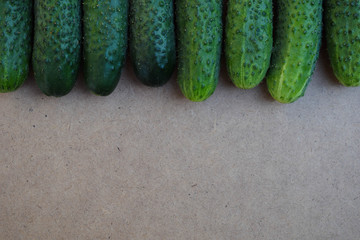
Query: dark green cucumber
{"type": "Point", "coordinates": [297, 40]}
{"type": "Point", "coordinates": [199, 32]}
{"type": "Point", "coordinates": [248, 41]}
{"type": "Point", "coordinates": [152, 40]}
{"type": "Point", "coordinates": [342, 27]}
{"type": "Point", "coordinates": [105, 43]}
{"type": "Point", "coordinates": [15, 43]}
{"type": "Point", "coordinates": [56, 52]}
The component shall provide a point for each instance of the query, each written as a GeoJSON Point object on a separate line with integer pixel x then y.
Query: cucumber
{"type": "Point", "coordinates": [248, 41]}
{"type": "Point", "coordinates": [342, 28]}
{"type": "Point", "coordinates": [15, 43]}
{"type": "Point", "coordinates": [152, 40]}
{"type": "Point", "coordinates": [199, 32]}
{"type": "Point", "coordinates": [105, 42]}
{"type": "Point", "coordinates": [56, 52]}
{"type": "Point", "coordinates": [297, 38]}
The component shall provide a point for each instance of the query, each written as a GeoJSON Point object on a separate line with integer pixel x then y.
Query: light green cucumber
{"type": "Point", "coordinates": [342, 27]}
{"type": "Point", "coordinates": [298, 25]}
{"type": "Point", "coordinates": [199, 33]}
{"type": "Point", "coordinates": [248, 41]}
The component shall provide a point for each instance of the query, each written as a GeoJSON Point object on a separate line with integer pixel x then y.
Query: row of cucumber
{"type": "Point", "coordinates": [286, 57]}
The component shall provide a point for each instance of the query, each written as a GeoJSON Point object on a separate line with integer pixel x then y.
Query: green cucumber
{"type": "Point", "coordinates": [342, 28]}
{"type": "Point", "coordinates": [152, 40]}
{"type": "Point", "coordinates": [199, 32]}
{"type": "Point", "coordinates": [15, 43]}
{"type": "Point", "coordinates": [56, 52]}
{"type": "Point", "coordinates": [297, 40]}
{"type": "Point", "coordinates": [105, 42]}
{"type": "Point", "coordinates": [248, 41]}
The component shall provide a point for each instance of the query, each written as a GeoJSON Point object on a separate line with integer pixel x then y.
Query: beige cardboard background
{"type": "Point", "coordinates": [146, 163]}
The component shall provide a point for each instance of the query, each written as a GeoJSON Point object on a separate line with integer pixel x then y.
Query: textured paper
{"type": "Point", "coordinates": [145, 163]}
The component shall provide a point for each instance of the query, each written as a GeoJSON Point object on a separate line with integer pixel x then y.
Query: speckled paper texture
{"type": "Point", "coordinates": [145, 163]}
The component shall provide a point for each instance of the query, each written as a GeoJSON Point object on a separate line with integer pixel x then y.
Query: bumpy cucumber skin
{"type": "Point", "coordinates": [152, 40]}
{"type": "Point", "coordinates": [15, 43]}
{"type": "Point", "coordinates": [199, 33]}
{"type": "Point", "coordinates": [105, 43]}
{"type": "Point", "coordinates": [342, 28]}
{"type": "Point", "coordinates": [296, 48]}
{"type": "Point", "coordinates": [248, 41]}
{"type": "Point", "coordinates": [56, 52]}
